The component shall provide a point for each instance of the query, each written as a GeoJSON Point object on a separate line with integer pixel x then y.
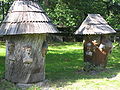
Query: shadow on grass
{"type": "Point", "coordinates": [65, 43]}
{"type": "Point", "coordinates": [65, 67]}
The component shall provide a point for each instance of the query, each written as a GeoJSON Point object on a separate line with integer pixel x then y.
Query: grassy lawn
{"type": "Point", "coordinates": [64, 62]}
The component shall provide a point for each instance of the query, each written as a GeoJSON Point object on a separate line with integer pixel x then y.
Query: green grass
{"type": "Point", "coordinates": [64, 62]}
{"type": "Point", "coordinates": [2, 58]}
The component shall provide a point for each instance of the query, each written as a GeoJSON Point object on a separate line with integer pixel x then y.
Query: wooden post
{"type": "Point", "coordinates": [24, 59]}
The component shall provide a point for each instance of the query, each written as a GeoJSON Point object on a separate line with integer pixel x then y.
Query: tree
{"type": "Point", "coordinates": [71, 13]}
{"type": "Point", "coordinates": [113, 12]}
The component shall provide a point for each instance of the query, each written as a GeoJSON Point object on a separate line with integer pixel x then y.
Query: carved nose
{"type": "Point", "coordinates": [29, 53]}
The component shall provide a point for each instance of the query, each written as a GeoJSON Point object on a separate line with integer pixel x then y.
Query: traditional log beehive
{"type": "Point", "coordinates": [96, 45]}
{"type": "Point", "coordinates": [25, 28]}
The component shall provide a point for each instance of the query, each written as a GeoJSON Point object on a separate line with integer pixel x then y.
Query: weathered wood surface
{"type": "Point", "coordinates": [94, 53]}
{"type": "Point", "coordinates": [26, 28]}
{"type": "Point", "coordinates": [25, 5]}
{"type": "Point", "coordinates": [26, 17]}
{"type": "Point", "coordinates": [94, 24]}
{"type": "Point", "coordinates": [24, 58]}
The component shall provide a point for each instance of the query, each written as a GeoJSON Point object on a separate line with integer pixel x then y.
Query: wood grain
{"type": "Point", "coordinates": [24, 60]}
{"type": "Point", "coordinates": [94, 24]}
{"type": "Point", "coordinates": [26, 17]}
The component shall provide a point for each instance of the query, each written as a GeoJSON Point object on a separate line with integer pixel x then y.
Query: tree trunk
{"type": "Point", "coordinates": [24, 59]}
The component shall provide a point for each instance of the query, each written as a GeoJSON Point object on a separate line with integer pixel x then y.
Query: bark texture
{"type": "Point", "coordinates": [24, 59]}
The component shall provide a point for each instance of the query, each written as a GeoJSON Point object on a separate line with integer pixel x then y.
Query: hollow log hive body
{"type": "Point", "coordinates": [95, 51]}
{"type": "Point", "coordinates": [94, 25]}
{"type": "Point", "coordinates": [24, 60]}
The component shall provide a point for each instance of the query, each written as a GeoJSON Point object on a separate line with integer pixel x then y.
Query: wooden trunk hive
{"type": "Point", "coordinates": [25, 28]}
{"type": "Point", "coordinates": [93, 27]}
{"type": "Point", "coordinates": [24, 59]}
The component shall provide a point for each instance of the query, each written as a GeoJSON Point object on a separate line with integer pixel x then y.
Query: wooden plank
{"type": "Point", "coordinates": [94, 24]}
{"type": "Point", "coordinates": [29, 22]}
{"type": "Point", "coordinates": [26, 16]}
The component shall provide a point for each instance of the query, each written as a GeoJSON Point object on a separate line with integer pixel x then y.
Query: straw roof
{"type": "Point", "coordinates": [26, 17]}
{"type": "Point", "coordinates": [94, 24]}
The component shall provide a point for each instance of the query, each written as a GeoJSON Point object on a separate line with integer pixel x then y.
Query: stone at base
{"type": "Point", "coordinates": [39, 84]}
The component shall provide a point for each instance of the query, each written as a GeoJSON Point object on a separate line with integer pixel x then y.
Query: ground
{"type": "Point", "coordinates": [64, 64]}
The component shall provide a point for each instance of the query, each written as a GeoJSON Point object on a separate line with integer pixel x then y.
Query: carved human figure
{"type": "Point", "coordinates": [27, 52]}
{"type": "Point", "coordinates": [96, 50]}
{"type": "Point", "coordinates": [106, 44]}
{"type": "Point", "coordinates": [10, 50]}
{"type": "Point", "coordinates": [101, 52]}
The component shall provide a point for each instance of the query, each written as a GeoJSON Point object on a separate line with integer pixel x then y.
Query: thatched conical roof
{"type": "Point", "coordinates": [94, 24]}
{"type": "Point", "coordinates": [26, 17]}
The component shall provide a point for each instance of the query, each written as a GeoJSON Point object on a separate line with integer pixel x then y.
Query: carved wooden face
{"type": "Point", "coordinates": [27, 54]}
{"type": "Point", "coordinates": [11, 47]}
{"type": "Point", "coordinates": [27, 50]}
{"type": "Point", "coordinates": [10, 50]}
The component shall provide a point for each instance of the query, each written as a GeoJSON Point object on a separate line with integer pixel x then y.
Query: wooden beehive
{"type": "Point", "coordinates": [96, 45]}
{"type": "Point", "coordinates": [25, 28]}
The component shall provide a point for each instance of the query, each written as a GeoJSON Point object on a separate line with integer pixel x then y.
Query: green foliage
{"type": "Point", "coordinates": [62, 15]}
{"type": "Point", "coordinates": [4, 6]}
{"type": "Point", "coordinates": [34, 87]}
{"type": "Point", "coordinates": [114, 20]}
{"type": "Point", "coordinates": [2, 58]}
{"type": "Point", "coordinates": [113, 12]}
{"type": "Point", "coordinates": [70, 13]}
